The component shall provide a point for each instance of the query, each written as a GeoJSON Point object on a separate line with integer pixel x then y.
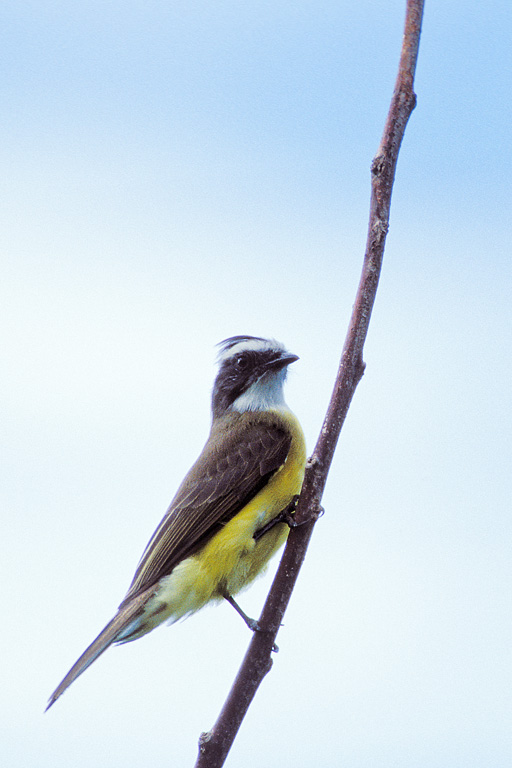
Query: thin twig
{"type": "Point", "coordinates": [214, 745]}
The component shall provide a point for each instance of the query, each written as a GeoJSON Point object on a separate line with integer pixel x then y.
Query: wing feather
{"type": "Point", "coordinates": [238, 460]}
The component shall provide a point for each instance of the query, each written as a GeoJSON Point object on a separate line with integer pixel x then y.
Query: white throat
{"type": "Point", "coordinates": [265, 393]}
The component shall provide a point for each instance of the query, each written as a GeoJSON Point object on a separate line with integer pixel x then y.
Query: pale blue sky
{"type": "Point", "coordinates": [174, 173]}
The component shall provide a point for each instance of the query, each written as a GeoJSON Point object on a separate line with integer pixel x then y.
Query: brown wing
{"type": "Point", "coordinates": [238, 460]}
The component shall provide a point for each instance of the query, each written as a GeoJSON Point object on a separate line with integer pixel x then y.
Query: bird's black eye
{"type": "Point", "coordinates": [241, 362]}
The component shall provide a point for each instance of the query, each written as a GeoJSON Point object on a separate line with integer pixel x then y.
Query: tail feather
{"type": "Point", "coordinates": [108, 635]}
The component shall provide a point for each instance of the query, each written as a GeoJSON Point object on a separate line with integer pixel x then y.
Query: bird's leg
{"type": "Point", "coordinates": [286, 516]}
{"type": "Point", "coordinates": [251, 623]}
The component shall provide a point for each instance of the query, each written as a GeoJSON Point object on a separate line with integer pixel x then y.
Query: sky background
{"type": "Point", "coordinates": [174, 173]}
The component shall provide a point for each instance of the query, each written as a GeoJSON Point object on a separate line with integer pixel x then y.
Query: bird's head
{"type": "Point", "coordinates": [251, 375]}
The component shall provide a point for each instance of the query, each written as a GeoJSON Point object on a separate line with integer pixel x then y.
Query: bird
{"type": "Point", "coordinates": [230, 514]}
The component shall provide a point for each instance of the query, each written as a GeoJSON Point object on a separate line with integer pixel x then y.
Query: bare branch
{"type": "Point", "coordinates": [214, 745]}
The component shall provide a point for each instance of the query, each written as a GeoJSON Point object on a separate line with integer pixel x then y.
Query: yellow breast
{"type": "Point", "coordinates": [232, 557]}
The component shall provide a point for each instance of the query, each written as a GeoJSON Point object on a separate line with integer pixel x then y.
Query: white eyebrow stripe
{"type": "Point", "coordinates": [250, 345]}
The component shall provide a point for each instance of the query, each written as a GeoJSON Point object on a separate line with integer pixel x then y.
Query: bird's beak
{"type": "Point", "coordinates": [280, 362]}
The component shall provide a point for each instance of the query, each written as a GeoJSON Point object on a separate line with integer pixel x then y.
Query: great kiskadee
{"type": "Point", "coordinates": [218, 533]}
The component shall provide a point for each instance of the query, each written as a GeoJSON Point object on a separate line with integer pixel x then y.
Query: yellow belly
{"type": "Point", "coordinates": [232, 559]}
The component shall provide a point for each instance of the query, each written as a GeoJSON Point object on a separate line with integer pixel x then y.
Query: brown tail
{"type": "Point", "coordinates": [107, 636]}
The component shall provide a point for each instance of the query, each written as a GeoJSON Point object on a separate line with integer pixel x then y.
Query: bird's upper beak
{"type": "Point", "coordinates": [280, 362]}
